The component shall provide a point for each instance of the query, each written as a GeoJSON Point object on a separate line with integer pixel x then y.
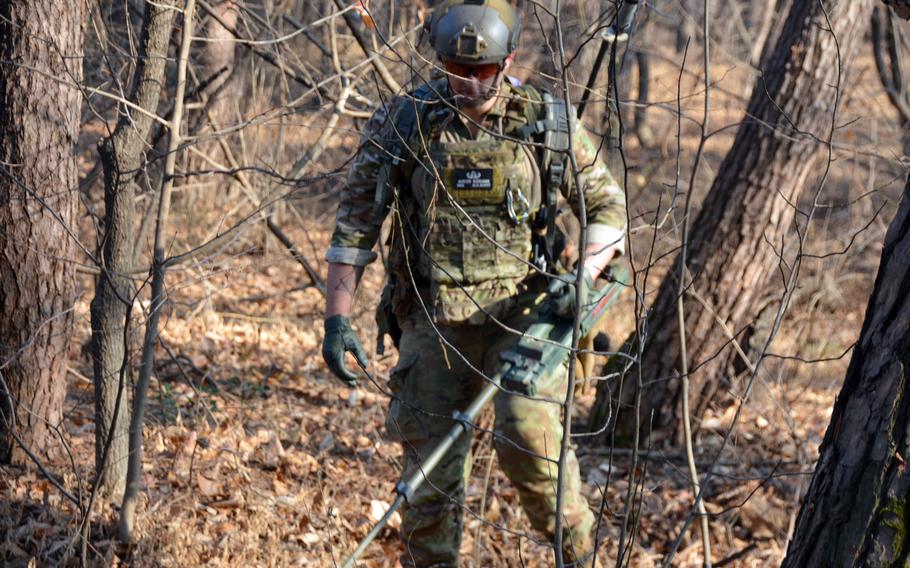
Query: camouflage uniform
{"type": "Point", "coordinates": [463, 289]}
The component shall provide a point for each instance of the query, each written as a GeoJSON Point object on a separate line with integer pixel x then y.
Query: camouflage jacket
{"type": "Point", "coordinates": [462, 237]}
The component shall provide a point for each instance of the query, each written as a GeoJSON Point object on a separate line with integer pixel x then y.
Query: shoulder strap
{"type": "Point", "coordinates": [530, 100]}
{"type": "Point", "coordinates": [548, 124]}
{"type": "Point", "coordinates": [406, 120]}
{"type": "Point", "coordinates": [556, 141]}
{"type": "Point", "coordinates": [408, 117]}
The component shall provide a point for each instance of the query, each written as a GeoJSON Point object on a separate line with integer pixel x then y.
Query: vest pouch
{"type": "Point", "coordinates": [513, 255]}
{"type": "Point", "coordinates": [444, 260]}
{"type": "Point", "coordinates": [474, 304]}
{"type": "Point", "coordinates": [475, 263]}
{"type": "Point", "coordinates": [479, 250]}
{"type": "Point", "coordinates": [493, 247]}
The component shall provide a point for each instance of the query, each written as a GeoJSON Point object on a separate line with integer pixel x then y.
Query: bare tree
{"type": "Point", "coordinates": [126, 528]}
{"type": "Point", "coordinates": [888, 41]}
{"type": "Point", "coordinates": [122, 156]}
{"type": "Point", "coordinates": [736, 242]}
{"type": "Point", "coordinates": [855, 512]}
{"type": "Point", "coordinates": [901, 7]}
{"type": "Point", "coordinates": [40, 67]}
{"type": "Point", "coordinates": [685, 31]}
{"type": "Point", "coordinates": [218, 57]}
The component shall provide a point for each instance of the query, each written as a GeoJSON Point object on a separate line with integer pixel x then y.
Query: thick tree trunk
{"type": "Point", "coordinates": [750, 205]}
{"type": "Point", "coordinates": [856, 511]}
{"type": "Point", "coordinates": [122, 157]}
{"type": "Point", "coordinates": [766, 37]}
{"type": "Point", "coordinates": [40, 65]}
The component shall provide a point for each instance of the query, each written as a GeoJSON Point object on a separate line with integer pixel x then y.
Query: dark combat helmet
{"type": "Point", "coordinates": [475, 32]}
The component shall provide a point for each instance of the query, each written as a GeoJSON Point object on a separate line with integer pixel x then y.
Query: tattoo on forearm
{"type": "Point", "coordinates": [347, 283]}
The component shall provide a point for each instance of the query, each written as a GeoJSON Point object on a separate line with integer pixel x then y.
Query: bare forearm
{"type": "Point", "coordinates": [342, 283]}
{"type": "Point", "coordinates": [598, 256]}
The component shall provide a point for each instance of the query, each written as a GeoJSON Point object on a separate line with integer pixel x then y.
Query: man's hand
{"type": "Point", "coordinates": [339, 339]}
{"type": "Point", "coordinates": [562, 297]}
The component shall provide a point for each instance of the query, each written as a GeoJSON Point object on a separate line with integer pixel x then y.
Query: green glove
{"type": "Point", "coordinates": [561, 292]}
{"type": "Point", "coordinates": [339, 339]}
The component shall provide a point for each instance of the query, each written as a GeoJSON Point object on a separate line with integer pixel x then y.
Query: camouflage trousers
{"type": "Point", "coordinates": [431, 381]}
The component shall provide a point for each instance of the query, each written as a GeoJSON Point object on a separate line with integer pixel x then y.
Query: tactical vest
{"type": "Point", "coordinates": [468, 210]}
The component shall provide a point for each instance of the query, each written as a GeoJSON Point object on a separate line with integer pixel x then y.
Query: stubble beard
{"type": "Point", "coordinates": [479, 99]}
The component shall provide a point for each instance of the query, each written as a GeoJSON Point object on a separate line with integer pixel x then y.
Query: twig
{"type": "Point", "coordinates": [309, 35]}
{"type": "Point", "coordinates": [478, 534]}
{"type": "Point", "coordinates": [298, 256]}
{"type": "Point", "coordinates": [567, 406]}
{"type": "Point", "coordinates": [4, 389]}
{"type": "Point", "coordinates": [736, 555]}
{"type": "Point", "coordinates": [126, 528]}
{"type": "Point", "coordinates": [890, 76]}
{"type": "Point", "coordinates": [377, 63]}
{"type": "Point", "coordinates": [267, 56]}
{"type": "Point", "coordinates": [684, 363]}
{"type": "Point", "coordinates": [790, 280]}
{"type": "Point", "coordinates": [82, 378]}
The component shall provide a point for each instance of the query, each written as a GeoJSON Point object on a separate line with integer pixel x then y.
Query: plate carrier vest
{"type": "Point", "coordinates": [467, 232]}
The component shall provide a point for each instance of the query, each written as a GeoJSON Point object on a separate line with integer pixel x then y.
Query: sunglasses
{"type": "Point", "coordinates": [481, 72]}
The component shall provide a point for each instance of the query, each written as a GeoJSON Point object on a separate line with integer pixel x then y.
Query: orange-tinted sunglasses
{"type": "Point", "coordinates": [482, 72]}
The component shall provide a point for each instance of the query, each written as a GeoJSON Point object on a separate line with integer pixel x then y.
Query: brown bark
{"type": "Point", "coordinates": [686, 30]}
{"type": "Point", "coordinates": [40, 63]}
{"type": "Point", "coordinates": [218, 58]}
{"type": "Point", "coordinates": [122, 157]}
{"type": "Point", "coordinates": [889, 61]}
{"type": "Point", "coordinates": [900, 7]}
{"type": "Point", "coordinates": [750, 205]}
{"type": "Point", "coordinates": [763, 23]}
{"type": "Point", "coordinates": [126, 528]}
{"type": "Point", "coordinates": [856, 510]}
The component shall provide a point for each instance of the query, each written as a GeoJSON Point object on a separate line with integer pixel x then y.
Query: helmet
{"type": "Point", "coordinates": [475, 32]}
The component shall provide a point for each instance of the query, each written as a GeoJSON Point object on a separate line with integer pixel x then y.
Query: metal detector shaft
{"type": "Point", "coordinates": [531, 357]}
{"type": "Point", "coordinates": [374, 532]}
{"type": "Point", "coordinates": [407, 487]}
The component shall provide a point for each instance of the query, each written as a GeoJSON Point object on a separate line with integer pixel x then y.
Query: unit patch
{"type": "Point", "coordinates": [473, 178]}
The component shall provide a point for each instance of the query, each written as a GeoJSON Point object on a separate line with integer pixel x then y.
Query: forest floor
{"type": "Point", "coordinates": [255, 456]}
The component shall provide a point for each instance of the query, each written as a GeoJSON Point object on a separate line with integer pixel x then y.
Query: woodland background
{"type": "Point", "coordinates": [252, 454]}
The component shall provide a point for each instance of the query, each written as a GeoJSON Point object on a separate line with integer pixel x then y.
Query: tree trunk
{"type": "Point", "coordinates": [218, 58]}
{"type": "Point", "coordinates": [856, 510]}
{"type": "Point", "coordinates": [40, 65]}
{"type": "Point", "coordinates": [642, 129]}
{"type": "Point", "coordinates": [749, 205]}
{"type": "Point", "coordinates": [900, 7]}
{"type": "Point", "coordinates": [122, 156]}
{"type": "Point", "coordinates": [887, 46]}
{"type": "Point", "coordinates": [686, 30]}
{"type": "Point", "coordinates": [764, 18]}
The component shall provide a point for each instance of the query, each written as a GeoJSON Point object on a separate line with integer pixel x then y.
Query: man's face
{"type": "Point", "coordinates": [474, 85]}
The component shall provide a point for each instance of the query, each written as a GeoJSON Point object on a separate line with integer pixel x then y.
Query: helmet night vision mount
{"type": "Point", "coordinates": [475, 32]}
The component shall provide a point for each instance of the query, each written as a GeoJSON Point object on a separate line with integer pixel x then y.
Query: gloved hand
{"type": "Point", "coordinates": [561, 292]}
{"type": "Point", "coordinates": [339, 339]}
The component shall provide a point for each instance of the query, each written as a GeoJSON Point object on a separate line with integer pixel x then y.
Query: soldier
{"type": "Point", "coordinates": [461, 164]}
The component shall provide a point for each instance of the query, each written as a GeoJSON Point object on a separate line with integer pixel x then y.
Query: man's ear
{"type": "Point", "coordinates": [507, 62]}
